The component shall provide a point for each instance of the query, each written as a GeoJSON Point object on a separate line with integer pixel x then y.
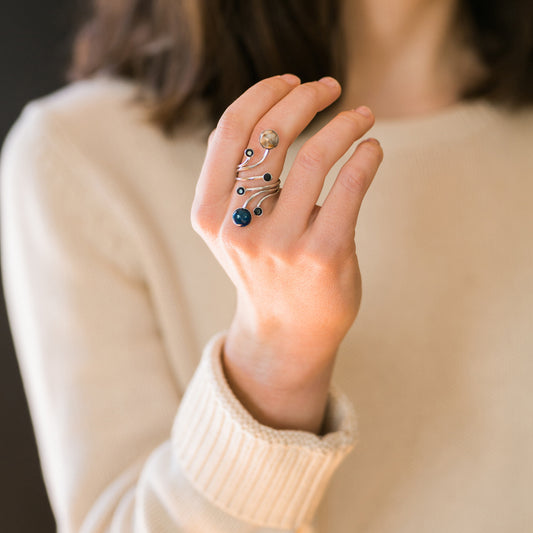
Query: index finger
{"type": "Point", "coordinates": [234, 130]}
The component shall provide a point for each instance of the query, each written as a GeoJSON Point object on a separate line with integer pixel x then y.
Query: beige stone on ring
{"type": "Point", "coordinates": [269, 139]}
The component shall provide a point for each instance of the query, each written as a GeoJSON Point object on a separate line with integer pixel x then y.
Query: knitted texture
{"type": "Point", "coordinates": [119, 310]}
{"type": "Point", "coordinates": [268, 477]}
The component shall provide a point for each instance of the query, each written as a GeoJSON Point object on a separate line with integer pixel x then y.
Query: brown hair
{"type": "Point", "coordinates": [184, 51]}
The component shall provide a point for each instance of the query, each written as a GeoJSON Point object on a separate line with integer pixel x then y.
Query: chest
{"type": "Point", "coordinates": [439, 362]}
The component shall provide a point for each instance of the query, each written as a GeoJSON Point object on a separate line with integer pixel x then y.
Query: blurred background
{"type": "Point", "coordinates": [35, 39]}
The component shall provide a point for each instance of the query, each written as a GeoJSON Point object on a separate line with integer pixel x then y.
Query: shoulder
{"type": "Point", "coordinates": [96, 135]}
{"type": "Point", "coordinates": [77, 106]}
{"type": "Point", "coordinates": [102, 116]}
{"type": "Point", "coordinates": [51, 130]}
{"type": "Point", "coordinates": [515, 133]}
{"type": "Point", "coordinates": [519, 119]}
{"type": "Point", "coordinates": [55, 126]}
{"type": "Point", "coordinates": [87, 97]}
{"type": "Point", "coordinates": [512, 124]}
{"type": "Point", "coordinates": [61, 160]}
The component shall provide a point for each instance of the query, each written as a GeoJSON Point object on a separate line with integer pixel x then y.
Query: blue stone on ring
{"type": "Point", "coordinates": [242, 217]}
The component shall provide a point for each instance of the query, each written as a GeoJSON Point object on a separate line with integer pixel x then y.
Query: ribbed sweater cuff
{"type": "Point", "coordinates": [269, 477]}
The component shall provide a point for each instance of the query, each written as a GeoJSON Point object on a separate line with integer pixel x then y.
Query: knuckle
{"type": "Point", "coordinates": [310, 157]}
{"type": "Point", "coordinates": [350, 117]}
{"type": "Point", "coordinates": [276, 247]}
{"type": "Point", "coordinates": [308, 91]}
{"type": "Point", "coordinates": [272, 86]}
{"type": "Point", "coordinates": [230, 125]}
{"type": "Point", "coordinates": [325, 254]}
{"type": "Point", "coordinates": [202, 221]}
{"type": "Point", "coordinates": [316, 258]}
{"type": "Point", "coordinates": [227, 238]}
{"type": "Point", "coordinates": [238, 245]}
{"type": "Point", "coordinates": [354, 180]}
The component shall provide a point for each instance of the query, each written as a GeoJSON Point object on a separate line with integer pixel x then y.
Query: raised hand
{"type": "Point", "coordinates": [294, 266]}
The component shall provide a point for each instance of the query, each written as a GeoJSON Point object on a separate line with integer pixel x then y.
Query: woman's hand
{"type": "Point", "coordinates": [294, 267]}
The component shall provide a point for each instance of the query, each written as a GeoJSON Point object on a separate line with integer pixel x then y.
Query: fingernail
{"type": "Point", "coordinates": [328, 80]}
{"type": "Point", "coordinates": [291, 78]}
{"type": "Point", "coordinates": [371, 140]}
{"type": "Point", "coordinates": [363, 110]}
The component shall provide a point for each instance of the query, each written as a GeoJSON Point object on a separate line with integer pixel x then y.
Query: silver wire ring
{"type": "Point", "coordinates": [242, 216]}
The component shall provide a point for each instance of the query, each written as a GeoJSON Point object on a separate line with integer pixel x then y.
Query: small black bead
{"type": "Point", "coordinates": [249, 152]}
{"type": "Point", "coordinates": [242, 217]}
{"type": "Point", "coordinates": [267, 176]}
{"type": "Point", "coordinates": [258, 211]}
{"type": "Point", "coordinates": [240, 190]}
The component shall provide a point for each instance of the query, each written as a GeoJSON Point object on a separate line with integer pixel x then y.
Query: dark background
{"type": "Point", "coordinates": [35, 42]}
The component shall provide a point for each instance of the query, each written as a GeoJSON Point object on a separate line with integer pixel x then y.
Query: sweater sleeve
{"type": "Point", "coordinates": [122, 448]}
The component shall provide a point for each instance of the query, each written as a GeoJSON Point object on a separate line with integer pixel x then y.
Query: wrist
{"type": "Point", "coordinates": [282, 383]}
{"type": "Point", "coordinates": [284, 361]}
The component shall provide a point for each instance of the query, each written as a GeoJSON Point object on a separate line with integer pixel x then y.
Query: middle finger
{"type": "Point", "coordinates": [288, 118]}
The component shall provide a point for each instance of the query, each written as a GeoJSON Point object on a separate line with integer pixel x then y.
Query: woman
{"type": "Point", "coordinates": [192, 367]}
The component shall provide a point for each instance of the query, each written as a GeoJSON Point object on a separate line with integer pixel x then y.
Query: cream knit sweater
{"type": "Point", "coordinates": [119, 312]}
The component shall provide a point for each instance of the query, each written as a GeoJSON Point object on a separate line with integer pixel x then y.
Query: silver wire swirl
{"type": "Point", "coordinates": [242, 216]}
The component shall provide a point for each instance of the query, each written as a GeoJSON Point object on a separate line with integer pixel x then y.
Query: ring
{"type": "Point", "coordinates": [242, 216]}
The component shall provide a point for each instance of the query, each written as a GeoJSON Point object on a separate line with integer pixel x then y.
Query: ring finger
{"type": "Point", "coordinates": [315, 158]}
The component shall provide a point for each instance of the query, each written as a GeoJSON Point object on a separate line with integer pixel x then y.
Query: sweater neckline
{"type": "Point", "coordinates": [457, 121]}
{"type": "Point", "coordinates": [451, 123]}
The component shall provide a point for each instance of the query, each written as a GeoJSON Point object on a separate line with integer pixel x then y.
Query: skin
{"type": "Point", "coordinates": [412, 61]}
{"type": "Point", "coordinates": [295, 268]}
